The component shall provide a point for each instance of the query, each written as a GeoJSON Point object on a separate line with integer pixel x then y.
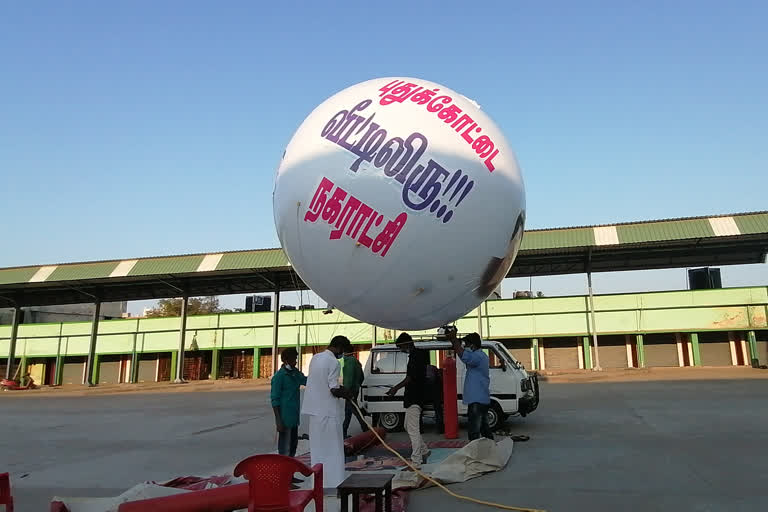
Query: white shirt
{"type": "Point", "coordinates": [324, 373]}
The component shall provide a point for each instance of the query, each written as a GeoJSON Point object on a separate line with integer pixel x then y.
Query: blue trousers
{"type": "Point", "coordinates": [478, 421]}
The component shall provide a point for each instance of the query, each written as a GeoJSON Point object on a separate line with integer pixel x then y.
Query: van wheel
{"type": "Point", "coordinates": [391, 421]}
{"type": "Point", "coordinates": [495, 416]}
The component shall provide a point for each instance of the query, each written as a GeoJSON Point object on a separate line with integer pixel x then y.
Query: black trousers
{"type": "Point", "coordinates": [349, 410]}
{"type": "Point", "coordinates": [478, 421]}
{"type": "Point", "coordinates": [287, 441]}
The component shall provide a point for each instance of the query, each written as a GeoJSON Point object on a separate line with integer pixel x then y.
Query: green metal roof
{"type": "Point", "coordinates": [170, 265]}
{"type": "Point", "coordinates": [265, 258]}
{"type": "Point", "coordinates": [752, 224]}
{"type": "Point", "coordinates": [669, 243]}
{"type": "Point", "coordinates": [557, 238]}
{"type": "Point", "coordinates": [670, 230]}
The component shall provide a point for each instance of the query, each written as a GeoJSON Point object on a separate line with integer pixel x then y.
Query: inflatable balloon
{"type": "Point", "coordinates": [399, 202]}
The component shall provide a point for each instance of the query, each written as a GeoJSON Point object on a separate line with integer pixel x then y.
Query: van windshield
{"type": "Point", "coordinates": [508, 356]}
{"type": "Point", "coordinates": [389, 361]}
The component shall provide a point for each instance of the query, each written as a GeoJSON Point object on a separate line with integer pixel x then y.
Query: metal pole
{"type": "Point", "coordinates": [480, 320]}
{"type": "Point", "coordinates": [12, 347]}
{"type": "Point", "coordinates": [182, 336]}
{"type": "Point", "coordinates": [88, 381]}
{"type": "Point", "coordinates": [374, 335]}
{"type": "Point", "coordinates": [275, 329]}
{"type": "Point", "coordinates": [594, 327]}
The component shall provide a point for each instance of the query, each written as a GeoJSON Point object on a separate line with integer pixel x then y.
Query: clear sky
{"type": "Point", "coordinates": [144, 128]}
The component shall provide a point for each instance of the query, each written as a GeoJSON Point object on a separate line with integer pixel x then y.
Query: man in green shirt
{"type": "Point", "coordinates": [286, 402]}
{"type": "Point", "coordinates": [352, 376]}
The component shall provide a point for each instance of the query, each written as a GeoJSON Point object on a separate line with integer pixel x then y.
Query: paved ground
{"type": "Point", "coordinates": [667, 444]}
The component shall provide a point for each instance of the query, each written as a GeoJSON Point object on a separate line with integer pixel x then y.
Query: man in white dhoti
{"type": "Point", "coordinates": [324, 405]}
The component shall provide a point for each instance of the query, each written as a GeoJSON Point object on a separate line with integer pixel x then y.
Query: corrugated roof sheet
{"type": "Point", "coordinates": [17, 275]}
{"type": "Point", "coordinates": [557, 238]}
{"type": "Point", "coordinates": [82, 271]}
{"type": "Point", "coordinates": [671, 230]}
{"type": "Point", "coordinates": [265, 258]}
{"type": "Point", "coordinates": [752, 224]}
{"type": "Point", "coordinates": [171, 265]}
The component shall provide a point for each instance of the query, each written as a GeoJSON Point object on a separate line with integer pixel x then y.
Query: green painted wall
{"type": "Point", "coordinates": [731, 309]}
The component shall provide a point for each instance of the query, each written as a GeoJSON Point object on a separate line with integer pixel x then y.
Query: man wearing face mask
{"type": "Point", "coordinates": [477, 382]}
{"type": "Point", "coordinates": [285, 398]}
{"type": "Point", "coordinates": [324, 404]}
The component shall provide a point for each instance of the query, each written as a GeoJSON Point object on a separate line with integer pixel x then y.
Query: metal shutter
{"type": "Point", "coordinates": [109, 372]}
{"type": "Point", "coordinates": [715, 349]}
{"type": "Point", "coordinates": [72, 372]}
{"type": "Point", "coordinates": [147, 368]}
{"type": "Point", "coordinates": [613, 356]}
{"type": "Point", "coordinates": [613, 351]}
{"type": "Point", "coordinates": [560, 353]}
{"type": "Point", "coordinates": [660, 350]}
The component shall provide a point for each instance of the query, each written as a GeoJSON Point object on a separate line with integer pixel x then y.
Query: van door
{"type": "Point", "coordinates": [385, 368]}
{"type": "Point", "coordinates": [505, 382]}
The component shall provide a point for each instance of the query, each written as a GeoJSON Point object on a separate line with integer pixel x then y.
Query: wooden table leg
{"type": "Point", "coordinates": [379, 500]}
{"type": "Point", "coordinates": [388, 497]}
{"type": "Point", "coordinates": [344, 501]}
{"type": "Point", "coordinates": [355, 502]}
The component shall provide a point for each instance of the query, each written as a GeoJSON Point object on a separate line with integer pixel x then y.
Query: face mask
{"type": "Point", "coordinates": [289, 367]}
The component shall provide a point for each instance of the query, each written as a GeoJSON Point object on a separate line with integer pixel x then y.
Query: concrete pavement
{"type": "Point", "coordinates": [669, 444]}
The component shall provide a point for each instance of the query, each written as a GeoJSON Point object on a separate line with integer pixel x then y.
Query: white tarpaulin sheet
{"type": "Point", "coordinates": [475, 459]}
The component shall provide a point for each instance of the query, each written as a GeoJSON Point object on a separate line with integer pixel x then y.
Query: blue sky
{"type": "Point", "coordinates": [144, 128]}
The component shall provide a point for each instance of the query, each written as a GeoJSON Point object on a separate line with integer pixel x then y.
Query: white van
{"type": "Point", "coordinates": [513, 390]}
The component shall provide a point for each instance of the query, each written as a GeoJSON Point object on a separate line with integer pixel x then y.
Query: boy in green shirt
{"type": "Point", "coordinates": [286, 402]}
{"type": "Point", "coordinates": [352, 376]}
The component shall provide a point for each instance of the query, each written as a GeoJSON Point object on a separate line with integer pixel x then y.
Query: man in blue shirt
{"type": "Point", "coordinates": [477, 394]}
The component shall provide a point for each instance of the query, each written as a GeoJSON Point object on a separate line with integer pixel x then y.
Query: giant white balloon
{"type": "Point", "coordinates": [399, 202]}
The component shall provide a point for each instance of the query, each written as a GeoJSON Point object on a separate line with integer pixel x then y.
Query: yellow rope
{"type": "Point", "coordinates": [441, 486]}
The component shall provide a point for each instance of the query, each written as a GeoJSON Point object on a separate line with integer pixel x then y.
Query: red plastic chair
{"type": "Point", "coordinates": [269, 482]}
{"type": "Point", "coordinates": [5, 492]}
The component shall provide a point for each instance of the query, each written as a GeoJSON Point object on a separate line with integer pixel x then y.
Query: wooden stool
{"type": "Point", "coordinates": [357, 484]}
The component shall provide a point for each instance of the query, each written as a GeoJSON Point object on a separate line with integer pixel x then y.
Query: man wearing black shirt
{"type": "Point", "coordinates": [414, 398]}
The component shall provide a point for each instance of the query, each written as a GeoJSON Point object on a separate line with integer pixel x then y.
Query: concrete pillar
{"type": "Point", "coordinates": [9, 373]}
{"type": "Point", "coordinates": [90, 364]}
{"type": "Point", "coordinates": [753, 357]}
{"type": "Point", "coordinates": [179, 367]}
{"type": "Point", "coordinates": [696, 352]}
{"type": "Point", "coordinates": [96, 369]}
{"type": "Point", "coordinates": [592, 322]}
{"type": "Point", "coordinates": [174, 359]}
{"type": "Point", "coordinates": [22, 367]}
{"type": "Point", "coordinates": [535, 353]}
{"type": "Point", "coordinates": [134, 376]}
{"type": "Point", "coordinates": [587, 353]}
{"type": "Point", "coordinates": [640, 352]}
